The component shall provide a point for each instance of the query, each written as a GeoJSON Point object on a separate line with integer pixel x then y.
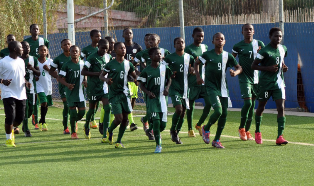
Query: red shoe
{"type": "Point", "coordinates": [242, 134]}
{"type": "Point", "coordinates": [33, 119]}
{"type": "Point", "coordinates": [258, 138]}
{"type": "Point", "coordinates": [281, 141]}
{"type": "Point", "coordinates": [36, 126]}
{"type": "Point", "coordinates": [74, 135]}
{"type": "Point", "coordinates": [66, 131]}
{"type": "Point", "coordinates": [217, 144]}
{"type": "Point", "coordinates": [249, 136]}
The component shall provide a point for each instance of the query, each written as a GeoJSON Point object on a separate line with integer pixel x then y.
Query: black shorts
{"type": "Point", "coordinates": [14, 110]}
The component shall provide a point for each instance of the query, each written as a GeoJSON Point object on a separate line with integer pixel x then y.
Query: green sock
{"type": "Point", "coordinates": [213, 118]}
{"type": "Point", "coordinates": [250, 117]}
{"type": "Point", "coordinates": [220, 127]}
{"type": "Point", "coordinates": [102, 113]}
{"type": "Point", "coordinates": [25, 121]}
{"type": "Point", "coordinates": [106, 120]}
{"type": "Point", "coordinates": [258, 121]}
{"type": "Point", "coordinates": [204, 115]}
{"type": "Point", "coordinates": [189, 114]}
{"type": "Point", "coordinates": [95, 111]}
{"type": "Point", "coordinates": [65, 114]}
{"type": "Point", "coordinates": [156, 129]}
{"type": "Point", "coordinates": [88, 118]}
{"type": "Point", "coordinates": [112, 127]}
{"type": "Point", "coordinates": [73, 119]}
{"type": "Point", "coordinates": [179, 125]}
{"type": "Point", "coordinates": [121, 132]}
{"type": "Point", "coordinates": [163, 126]}
{"type": "Point", "coordinates": [175, 119]}
{"type": "Point", "coordinates": [281, 125]}
{"type": "Point", "coordinates": [130, 117]}
{"type": "Point", "coordinates": [245, 111]}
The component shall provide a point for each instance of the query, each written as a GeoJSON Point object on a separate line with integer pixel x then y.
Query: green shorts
{"type": "Point", "coordinates": [197, 92]}
{"type": "Point", "coordinates": [162, 116]}
{"type": "Point", "coordinates": [76, 104]}
{"type": "Point", "coordinates": [45, 99]}
{"type": "Point", "coordinates": [133, 90]}
{"type": "Point", "coordinates": [177, 99]}
{"type": "Point", "coordinates": [248, 90]}
{"type": "Point", "coordinates": [264, 95]}
{"type": "Point", "coordinates": [93, 99]}
{"type": "Point", "coordinates": [120, 104]}
{"type": "Point", "coordinates": [62, 91]}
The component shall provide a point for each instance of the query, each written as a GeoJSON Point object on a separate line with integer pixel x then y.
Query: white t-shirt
{"type": "Point", "coordinates": [44, 84]}
{"type": "Point", "coordinates": [13, 69]}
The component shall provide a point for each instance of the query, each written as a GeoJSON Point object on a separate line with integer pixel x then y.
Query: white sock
{"type": "Point", "coordinates": [9, 136]}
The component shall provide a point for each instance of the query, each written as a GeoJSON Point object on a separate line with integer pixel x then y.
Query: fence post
{"type": "Point", "coordinates": [71, 29]}
{"type": "Point", "coordinates": [106, 19]}
{"type": "Point", "coordinates": [281, 19]}
{"type": "Point", "coordinates": [181, 16]}
{"type": "Point", "coordinates": [45, 19]}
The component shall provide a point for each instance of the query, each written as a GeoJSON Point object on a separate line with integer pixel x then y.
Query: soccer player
{"type": "Point", "coordinates": [44, 86]}
{"type": "Point", "coordinates": [93, 66]}
{"type": "Point", "coordinates": [196, 91]}
{"type": "Point", "coordinates": [270, 61]}
{"type": "Point", "coordinates": [31, 69]}
{"type": "Point", "coordinates": [70, 76]}
{"type": "Point", "coordinates": [155, 81]}
{"type": "Point", "coordinates": [12, 82]}
{"type": "Point", "coordinates": [34, 42]}
{"type": "Point", "coordinates": [95, 36]}
{"type": "Point", "coordinates": [119, 95]}
{"type": "Point", "coordinates": [6, 52]}
{"type": "Point", "coordinates": [179, 62]}
{"type": "Point", "coordinates": [132, 49]}
{"type": "Point", "coordinates": [111, 46]}
{"type": "Point", "coordinates": [247, 50]}
{"type": "Point", "coordinates": [216, 62]}
{"type": "Point", "coordinates": [57, 63]}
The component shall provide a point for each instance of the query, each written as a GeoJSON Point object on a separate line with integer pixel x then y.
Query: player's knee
{"type": "Point", "coordinates": [73, 114]}
{"type": "Point", "coordinates": [118, 118]}
{"type": "Point", "coordinates": [19, 119]}
{"type": "Point", "coordinates": [44, 104]}
{"type": "Point", "coordinates": [107, 108]}
{"type": "Point", "coordinates": [218, 111]}
{"type": "Point", "coordinates": [80, 114]}
{"type": "Point", "coordinates": [179, 110]}
{"type": "Point", "coordinates": [248, 102]}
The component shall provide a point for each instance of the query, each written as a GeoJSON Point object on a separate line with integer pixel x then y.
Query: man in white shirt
{"type": "Point", "coordinates": [12, 72]}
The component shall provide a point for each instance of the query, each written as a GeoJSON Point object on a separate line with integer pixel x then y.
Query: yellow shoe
{"type": "Point", "coordinates": [119, 146]}
{"type": "Point", "coordinates": [199, 128]}
{"type": "Point", "coordinates": [87, 133]}
{"type": "Point", "coordinates": [9, 143]}
{"type": "Point", "coordinates": [110, 138]}
{"type": "Point", "coordinates": [40, 126]}
{"type": "Point", "coordinates": [104, 140]}
{"type": "Point", "coordinates": [44, 127]}
{"type": "Point", "coordinates": [93, 124]}
{"type": "Point", "coordinates": [191, 133]}
{"type": "Point", "coordinates": [13, 136]}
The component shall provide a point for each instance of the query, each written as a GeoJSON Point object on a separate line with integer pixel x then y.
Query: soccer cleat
{"type": "Point", "coordinates": [242, 134]}
{"type": "Point", "coordinates": [258, 138]}
{"type": "Point", "coordinates": [133, 127]}
{"type": "Point", "coordinates": [44, 127]}
{"type": "Point", "coordinates": [87, 133]}
{"type": "Point", "coordinates": [28, 133]}
{"type": "Point", "coordinates": [10, 143]}
{"type": "Point", "coordinates": [110, 138]}
{"type": "Point", "coordinates": [74, 135]}
{"type": "Point", "coordinates": [217, 144]}
{"type": "Point", "coordinates": [173, 135]}
{"type": "Point", "coordinates": [36, 127]}
{"type": "Point", "coordinates": [205, 135]}
{"type": "Point", "coordinates": [13, 136]}
{"type": "Point", "coordinates": [158, 149]}
{"type": "Point", "coordinates": [199, 128]}
{"type": "Point", "coordinates": [16, 130]}
{"type": "Point", "coordinates": [119, 146]}
{"type": "Point", "coordinates": [145, 124]}
{"type": "Point", "coordinates": [104, 140]}
{"type": "Point", "coordinates": [178, 140]}
{"type": "Point", "coordinates": [66, 131]}
{"type": "Point", "coordinates": [76, 127]}
{"type": "Point", "coordinates": [191, 133]}
{"type": "Point", "coordinates": [249, 136]}
{"type": "Point", "coordinates": [93, 124]}
{"type": "Point", "coordinates": [40, 126]}
{"type": "Point", "coordinates": [149, 134]}
{"type": "Point", "coordinates": [281, 141]}
{"type": "Point", "coordinates": [33, 119]}
{"type": "Point", "coordinates": [101, 128]}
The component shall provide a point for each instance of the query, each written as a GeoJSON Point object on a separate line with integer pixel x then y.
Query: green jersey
{"type": "Point", "coordinates": [119, 72]}
{"type": "Point", "coordinates": [247, 52]}
{"type": "Point", "coordinates": [180, 65]}
{"type": "Point", "coordinates": [146, 59]}
{"type": "Point", "coordinates": [271, 56]}
{"type": "Point", "coordinates": [196, 51]}
{"type": "Point", "coordinates": [35, 44]}
{"type": "Point", "coordinates": [59, 61]}
{"type": "Point", "coordinates": [96, 63]}
{"type": "Point", "coordinates": [86, 51]}
{"type": "Point", "coordinates": [215, 71]}
{"type": "Point", "coordinates": [155, 79]}
{"type": "Point", "coordinates": [4, 52]}
{"type": "Point", "coordinates": [72, 74]}
{"type": "Point", "coordinates": [29, 74]}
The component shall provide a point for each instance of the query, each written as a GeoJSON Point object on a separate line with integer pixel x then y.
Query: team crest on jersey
{"type": "Point", "coordinates": [134, 50]}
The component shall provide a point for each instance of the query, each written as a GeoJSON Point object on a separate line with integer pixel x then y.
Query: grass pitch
{"type": "Point", "coordinates": [52, 158]}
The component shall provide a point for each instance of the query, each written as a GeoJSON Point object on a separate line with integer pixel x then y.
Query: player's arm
{"type": "Point", "coordinates": [35, 70]}
{"type": "Point", "coordinates": [46, 67]}
{"type": "Point", "coordinates": [27, 84]}
{"type": "Point", "coordinates": [144, 89]}
{"type": "Point", "coordinates": [237, 71]}
{"type": "Point", "coordinates": [234, 51]}
{"type": "Point", "coordinates": [53, 72]}
{"type": "Point", "coordinates": [199, 80]}
{"type": "Point", "coordinates": [62, 78]}
{"type": "Point", "coordinates": [166, 91]}
{"type": "Point", "coordinates": [255, 66]}
{"type": "Point", "coordinates": [85, 72]}
{"type": "Point", "coordinates": [103, 78]}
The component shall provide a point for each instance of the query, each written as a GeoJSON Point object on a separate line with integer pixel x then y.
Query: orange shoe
{"type": "Point", "coordinates": [249, 136]}
{"type": "Point", "coordinates": [199, 128]}
{"type": "Point", "coordinates": [36, 126]}
{"type": "Point", "coordinates": [76, 127]}
{"type": "Point", "coordinates": [33, 119]}
{"type": "Point", "coordinates": [242, 134]}
{"type": "Point", "coordinates": [74, 135]}
{"type": "Point", "coordinates": [66, 131]}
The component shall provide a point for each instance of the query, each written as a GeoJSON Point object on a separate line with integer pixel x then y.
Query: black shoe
{"type": "Point", "coordinates": [28, 133]}
{"type": "Point", "coordinates": [149, 134]}
{"type": "Point", "coordinates": [101, 128]}
{"type": "Point", "coordinates": [174, 136]}
{"type": "Point", "coordinates": [178, 140]}
{"type": "Point", "coordinates": [133, 127]}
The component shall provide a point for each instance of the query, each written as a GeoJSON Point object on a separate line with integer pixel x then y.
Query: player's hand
{"type": "Point", "coordinates": [259, 48]}
{"type": "Point", "coordinates": [36, 78]}
{"type": "Point", "coordinates": [232, 73]}
{"type": "Point", "coordinates": [6, 82]}
{"type": "Point", "coordinates": [109, 82]}
{"type": "Point", "coordinates": [284, 68]}
{"type": "Point", "coordinates": [166, 92]}
{"type": "Point", "coordinates": [29, 66]}
{"type": "Point", "coordinates": [151, 95]}
{"type": "Point", "coordinates": [70, 86]}
{"type": "Point", "coordinates": [136, 82]}
{"type": "Point", "coordinates": [273, 68]}
{"type": "Point", "coordinates": [199, 81]}
{"type": "Point", "coordinates": [46, 67]}
{"type": "Point", "coordinates": [174, 75]}
{"type": "Point", "coordinates": [28, 85]}
{"type": "Point", "coordinates": [84, 84]}
{"type": "Point", "coordinates": [191, 70]}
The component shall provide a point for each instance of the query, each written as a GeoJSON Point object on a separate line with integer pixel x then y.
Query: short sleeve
{"type": "Point", "coordinates": [138, 57]}
{"type": "Point", "coordinates": [286, 50]}
{"type": "Point", "coordinates": [167, 61]}
{"type": "Point", "coordinates": [35, 62]}
{"type": "Point", "coordinates": [55, 63]}
{"type": "Point", "coordinates": [166, 52]}
{"type": "Point", "coordinates": [206, 47]}
{"type": "Point", "coordinates": [107, 67]}
{"type": "Point", "coordinates": [192, 60]}
{"type": "Point", "coordinates": [168, 72]}
{"type": "Point", "coordinates": [261, 55]}
{"type": "Point", "coordinates": [235, 49]}
{"type": "Point", "coordinates": [131, 68]}
{"type": "Point", "coordinates": [88, 63]}
{"type": "Point", "coordinates": [261, 44]}
{"type": "Point", "coordinates": [63, 71]}
{"type": "Point", "coordinates": [202, 58]}
{"type": "Point", "coordinates": [231, 60]}
{"type": "Point", "coordinates": [143, 77]}
{"type": "Point", "coordinates": [188, 50]}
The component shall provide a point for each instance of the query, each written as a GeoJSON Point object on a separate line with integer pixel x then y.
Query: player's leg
{"type": "Point", "coordinates": [65, 114]}
{"type": "Point", "coordinates": [133, 91]}
{"type": "Point", "coordinates": [246, 95]}
{"type": "Point", "coordinates": [28, 112]}
{"type": "Point", "coordinates": [91, 111]}
{"type": "Point", "coordinates": [262, 101]}
{"type": "Point", "coordinates": [189, 117]}
{"type": "Point", "coordinates": [177, 103]}
{"type": "Point", "coordinates": [93, 123]}
{"type": "Point", "coordinates": [73, 120]}
{"type": "Point", "coordinates": [249, 120]}
{"type": "Point", "coordinates": [156, 120]}
{"type": "Point", "coordinates": [9, 110]}
{"type": "Point", "coordinates": [221, 122]}
{"type": "Point", "coordinates": [279, 97]}
{"type": "Point", "coordinates": [43, 111]}
{"type": "Point", "coordinates": [107, 109]}
{"type": "Point", "coordinates": [35, 112]}
{"type": "Point", "coordinates": [206, 110]}
{"type": "Point", "coordinates": [181, 120]}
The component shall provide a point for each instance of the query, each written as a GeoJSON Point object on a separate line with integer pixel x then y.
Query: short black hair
{"type": "Point", "coordinates": [156, 35]}
{"type": "Point", "coordinates": [103, 42]}
{"type": "Point", "coordinates": [197, 29]}
{"type": "Point", "coordinates": [65, 40]}
{"type": "Point", "coordinates": [93, 32]}
{"type": "Point", "coordinates": [41, 46]}
{"type": "Point", "coordinates": [127, 28]}
{"type": "Point", "coordinates": [148, 34]}
{"type": "Point", "coordinates": [247, 24]}
{"type": "Point", "coordinates": [117, 44]}
{"type": "Point", "coordinates": [30, 27]}
{"type": "Point", "coordinates": [24, 42]}
{"type": "Point", "coordinates": [12, 45]}
{"type": "Point", "coordinates": [74, 46]}
{"type": "Point", "coordinates": [10, 35]}
{"type": "Point", "coordinates": [274, 29]}
{"type": "Point", "coordinates": [218, 33]}
{"type": "Point", "coordinates": [175, 39]}
{"type": "Point", "coordinates": [152, 50]}
{"type": "Point", "coordinates": [108, 38]}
